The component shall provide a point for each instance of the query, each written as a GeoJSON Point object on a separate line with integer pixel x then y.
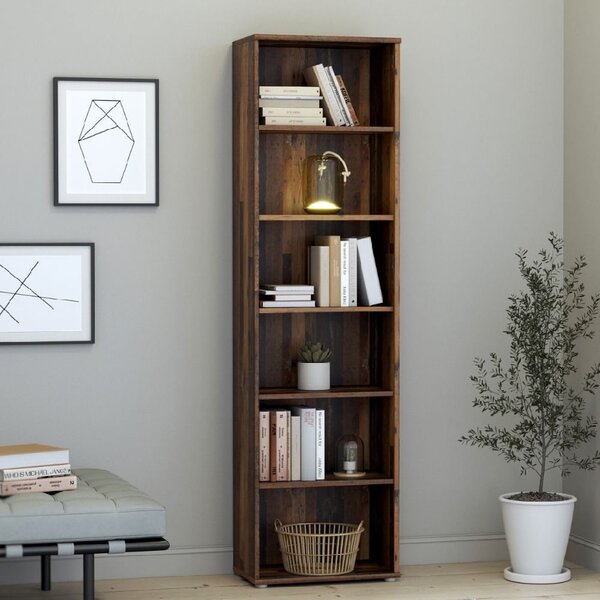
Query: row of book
{"type": "Point", "coordinates": [278, 295]}
{"type": "Point", "coordinates": [284, 105]}
{"type": "Point", "coordinates": [343, 271]}
{"type": "Point", "coordinates": [28, 468]}
{"type": "Point", "coordinates": [292, 444]}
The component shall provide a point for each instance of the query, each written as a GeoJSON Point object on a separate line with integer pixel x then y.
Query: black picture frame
{"type": "Point", "coordinates": [106, 141]}
{"type": "Point", "coordinates": [53, 293]}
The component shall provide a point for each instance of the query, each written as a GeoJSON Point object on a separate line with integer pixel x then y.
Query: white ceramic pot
{"type": "Point", "coordinates": [313, 376]}
{"type": "Point", "coordinates": [537, 534]}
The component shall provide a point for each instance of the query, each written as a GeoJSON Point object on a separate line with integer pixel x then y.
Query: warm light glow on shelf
{"type": "Point", "coordinates": [323, 207]}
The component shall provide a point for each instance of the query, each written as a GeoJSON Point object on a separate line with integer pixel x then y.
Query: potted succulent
{"type": "Point", "coordinates": [313, 367]}
{"type": "Point", "coordinates": [546, 422]}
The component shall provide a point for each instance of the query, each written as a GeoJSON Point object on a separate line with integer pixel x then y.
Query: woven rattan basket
{"type": "Point", "coordinates": [319, 548]}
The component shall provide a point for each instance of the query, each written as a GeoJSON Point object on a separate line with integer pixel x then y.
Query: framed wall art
{"type": "Point", "coordinates": [105, 141]}
{"type": "Point", "coordinates": [46, 293]}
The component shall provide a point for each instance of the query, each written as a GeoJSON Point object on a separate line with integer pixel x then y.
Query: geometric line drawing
{"type": "Point", "coordinates": [17, 293]}
{"type": "Point", "coordinates": [106, 141]}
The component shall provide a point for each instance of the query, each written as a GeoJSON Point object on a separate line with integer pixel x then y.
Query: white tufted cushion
{"type": "Point", "coordinates": [103, 507]}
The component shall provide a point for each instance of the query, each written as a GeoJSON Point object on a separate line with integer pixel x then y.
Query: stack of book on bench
{"type": "Point", "coordinates": [279, 295]}
{"type": "Point", "coordinates": [27, 468]}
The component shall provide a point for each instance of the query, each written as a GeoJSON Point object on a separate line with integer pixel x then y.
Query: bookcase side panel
{"type": "Point", "coordinates": [245, 338]}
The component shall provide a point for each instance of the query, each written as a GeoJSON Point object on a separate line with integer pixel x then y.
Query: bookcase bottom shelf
{"type": "Point", "coordinates": [364, 570]}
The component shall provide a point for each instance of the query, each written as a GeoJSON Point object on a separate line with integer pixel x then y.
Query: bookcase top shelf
{"type": "Point", "coordinates": [305, 217]}
{"type": "Point", "coordinates": [268, 39]}
{"type": "Point", "coordinates": [329, 481]}
{"type": "Point", "coordinates": [328, 129]}
{"type": "Point", "coordinates": [326, 309]}
{"type": "Point", "coordinates": [335, 392]}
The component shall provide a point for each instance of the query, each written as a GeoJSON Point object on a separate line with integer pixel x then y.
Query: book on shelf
{"type": "Point", "coordinates": [344, 273]}
{"type": "Point", "coordinates": [276, 297]}
{"type": "Point", "coordinates": [34, 472]}
{"type": "Point", "coordinates": [333, 243]}
{"type": "Point", "coordinates": [279, 423]}
{"type": "Point", "coordinates": [284, 288]}
{"type": "Point", "coordinates": [276, 111]}
{"type": "Point", "coordinates": [288, 90]}
{"type": "Point", "coordinates": [346, 96]}
{"type": "Point", "coordinates": [353, 270]}
{"type": "Point", "coordinates": [295, 448]}
{"type": "Point", "coordinates": [287, 304]}
{"type": "Point", "coordinates": [27, 455]}
{"type": "Point", "coordinates": [338, 96]}
{"type": "Point", "coordinates": [369, 287]}
{"type": "Point", "coordinates": [290, 102]}
{"type": "Point", "coordinates": [319, 273]}
{"type": "Point", "coordinates": [46, 484]}
{"type": "Point", "coordinates": [316, 75]}
{"type": "Point", "coordinates": [320, 444]}
{"type": "Point", "coordinates": [263, 444]}
{"type": "Point", "coordinates": [294, 120]}
{"type": "Point", "coordinates": [286, 98]}
{"type": "Point", "coordinates": [308, 442]}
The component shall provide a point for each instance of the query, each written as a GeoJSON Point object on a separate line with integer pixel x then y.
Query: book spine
{"type": "Point", "coordinates": [291, 112]}
{"type": "Point", "coordinates": [330, 97]}
{"type": "Point", "coordinates": [273, 445]}
{"type": "Point", "coordinates": [353, 274]}
{"type": "Point", "coordinates": [308, 444]}
{"type": "Point", "coordinates": [344, 273]}
{"type": "Point", "coordinates": [315, 75]}
{"type": "Point", "coordinates": [320, 444]}
{"type": "Point", "coordinates": [47, 484]}
{"type": "Point", "coordinates": [291, 102]}
{"type": "Point", "coordinates": [34, 472]}
{"type": "Point", "coordinates": [294, 120]}
{"type": "Point", "coordinates": [369, 287]}
{"type": "Point", "coordinates": [338, 96]}
{"type": "Point", "coordinates": [286, 303]}
{"type": "Point", "coordinates": [319, 273]}
{"type": "Point", "coordinates": [346, 96]}
{"type": "Point", "coordinates": [263, 437]}
{"type": "Point", "coordinates": [289, 297]}
{"type": "Point", "coordinates": [284, 90]}
{"type": "Point", "coordinates": [295, 448]}
{"type": "Point", "coordinates": [282, 473]}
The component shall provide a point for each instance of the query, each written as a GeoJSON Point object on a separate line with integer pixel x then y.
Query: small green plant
{"type": "Point", "coordinates": [314, 353]}
{"type": "Point", "coordinates": [545, 321]}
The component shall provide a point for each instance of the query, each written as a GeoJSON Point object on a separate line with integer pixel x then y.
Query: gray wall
{"type": "Point", "coordinates": [582, 216]}
{"type": "Point", "coordinates": [482, 162]}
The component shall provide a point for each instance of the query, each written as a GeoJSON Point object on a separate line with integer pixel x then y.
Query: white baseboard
{"type": "Point", "coordinates": [207, 560]}
{"type": "Point", "coordinates": [584, 552]}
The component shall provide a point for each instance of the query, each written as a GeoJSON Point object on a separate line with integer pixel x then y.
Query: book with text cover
{"type": "Point", "coordinates": [27, 455]}
{"type": "Point", "coordinates": [369, 288]}
{"type": "Point", "coordinates": [296, 448]}
{"type": "Point", "coordinates": [347, 100]}
{"type": "Point", "coordinates": [294, 120]}
{"type": "Point", "coordinates": [287, 304]}
{"type": "Point", "coordinates": [279, 445]}
{"type": "Point", "coordinates": [46, 484]}
{"type": "Point", "coordinates": [308, 442]}
{"type": "Point", "coordinates": [320, 444]}
{"type": "Point", "coordinates": [263, 444]}
{"type": "Point", "coordinates": [319, 273]}
{"type": "Point", "coordinates": [338, 96]}
{"type": "Point", "coordinates": [316, 75]}
{"type": "Point", "coordinates": [333, 242]}
{"type": "Point", "coordinates": [34, 472]}
{"type": "Point", "coordinates": [344, 273]}
{"type": "Point", "coordinates": [288, 90]}
{"type": "Point", "coordinates": [289, 288]}
{"type": "Point", "coordinates": [291, 112]}
{"type": "Point", "coordinates": [353, 270]}
{"type": "Point", "coordinates": [290, 102]}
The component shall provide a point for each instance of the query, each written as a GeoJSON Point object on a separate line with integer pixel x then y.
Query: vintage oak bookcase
{"type": "Point", "coordinates": [271, 234]}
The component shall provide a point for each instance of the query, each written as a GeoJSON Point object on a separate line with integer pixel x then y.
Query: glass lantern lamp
{"type": "Point", "coordinates": [325, 177]}
{"type": "Point", "coordinates": [349, 461]}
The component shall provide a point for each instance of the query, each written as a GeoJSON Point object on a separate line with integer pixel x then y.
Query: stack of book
{"type": "Point", "coordinates": [336, 100]}
{"type": "Point", "coordinates": [292, 444]}
{"type": "Point", "coordinates": [27, 468]}
{"type": "Point", "coordinates": [343, 271]}
{"type": "Point", "coordinates": [280, 295]}
{"type": "Point", "coordinates": [286, 105]}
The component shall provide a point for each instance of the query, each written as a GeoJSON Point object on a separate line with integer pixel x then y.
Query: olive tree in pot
{"type": "Point", "coordinates": [547, 422]}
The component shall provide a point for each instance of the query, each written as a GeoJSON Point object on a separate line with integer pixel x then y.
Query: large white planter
{"type": "Point", "coordinates": [313, 376]}
{"type": "Point", "coordinates": [537, 534]}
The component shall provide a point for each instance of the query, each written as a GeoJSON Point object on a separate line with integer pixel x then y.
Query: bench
{"type": "Point", "coordinates": [105, 514]}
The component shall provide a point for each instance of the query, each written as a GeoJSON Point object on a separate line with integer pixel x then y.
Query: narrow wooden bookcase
{"type": "Point", "coordinates": [271, 233]}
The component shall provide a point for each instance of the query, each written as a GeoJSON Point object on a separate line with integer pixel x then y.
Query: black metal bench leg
{"type": "Point", "coordinates": [88, 577]}
{"type": "Point", "coordinates": [46, 578]}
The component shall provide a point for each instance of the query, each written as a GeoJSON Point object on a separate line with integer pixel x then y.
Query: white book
{"type": "Point", "coordinates": [288, 90]}
{"type": "Point", "coordinates": [308, 442]}
{"type": "Point", "coordinates": [290, 102]}
{"type": "Point", "coordinates": [287, 304]}
{"type": "Point", "coordinates": [369, 288]}
{"type": "Point", "coordinates": [353, 271]}
{"type": "Point", "coordinates": [295, 448]}
{"type": "Point", "coordinates": [320, 443]}
{"type": "Point", "coordinates": [263, 442]}
{"type": "Point", "coordinates": [319, 273]}
{"type": "Point", "coordinates": [27, 455]}
{"type": "Point", "coordinates": [284, 97]}
{"type": "Point", "coordinates": [338, 96]}
{"type": "Point", "coordinates": [283, 288]}
{"type": "Point", "coordinates": [344, 273]}
{"type": "Point", "coordinates": [317, 76]}
{"type": "Point", "coordinates": [285, 297]}
{"type": "Point", "coordinates": [291, 112]}
{"type": "Point", "coordinates": [294, 120]}
{"type": "Point", "coordinates": [34, 472]}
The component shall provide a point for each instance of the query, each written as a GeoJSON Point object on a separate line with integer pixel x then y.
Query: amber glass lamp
{"type": "Point", "coordinates": [349, 460]}
{"type": "Point", "coordinates": [325, 177]}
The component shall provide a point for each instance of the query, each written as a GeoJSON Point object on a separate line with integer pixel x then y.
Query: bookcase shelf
{"type": "Point", "coordinates": [271, 233]}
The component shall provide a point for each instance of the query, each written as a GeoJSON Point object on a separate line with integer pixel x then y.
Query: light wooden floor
{"type": "Point", "coordinates": [468, 581]}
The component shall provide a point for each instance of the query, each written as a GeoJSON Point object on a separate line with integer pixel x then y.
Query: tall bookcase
{"type": "Point", "coordinates": [271, 233]}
